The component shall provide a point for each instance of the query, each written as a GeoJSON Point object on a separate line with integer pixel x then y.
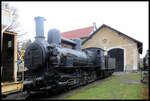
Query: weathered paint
{"type": "Point", "coordinates": [13, 86]}
{"type": "Point", "coordinates": [15, 58]}
{"type": "Point", "coordinates": [10, 87]}
{"type": "Point", "coordinates": [108, 39]}
{"type": "Point", "coordinates": [15, 53]}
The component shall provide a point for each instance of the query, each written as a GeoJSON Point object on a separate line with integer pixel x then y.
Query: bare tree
{"type": "Point", "coordinates": [15, 26]}
{"type": "Point", "coordinates": [25, 44]}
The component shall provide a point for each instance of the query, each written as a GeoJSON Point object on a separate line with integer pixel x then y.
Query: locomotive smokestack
{"type": "Point", "coordinates": [39, 26]}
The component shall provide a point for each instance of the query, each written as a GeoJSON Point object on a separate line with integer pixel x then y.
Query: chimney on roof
{"type": "Point", "coordinates": [95, 28]}
{"type": "Point", "coordinates": [94, 25]}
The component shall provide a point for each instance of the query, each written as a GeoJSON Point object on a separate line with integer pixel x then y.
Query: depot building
{"type": "Point", "coordinates": [123, 48]}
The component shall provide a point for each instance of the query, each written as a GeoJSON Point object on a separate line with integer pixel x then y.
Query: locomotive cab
{"type": "Point", "coordinates": [97, 55]}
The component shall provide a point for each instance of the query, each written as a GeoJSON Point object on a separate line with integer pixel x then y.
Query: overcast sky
{"type": "Point", "coordinates": [131, 18]}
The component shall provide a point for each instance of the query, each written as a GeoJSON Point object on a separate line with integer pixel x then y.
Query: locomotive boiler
{"type": "Point", "coordinates": [51, 66]}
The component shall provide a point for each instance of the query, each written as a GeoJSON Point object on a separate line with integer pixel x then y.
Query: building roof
{"type": "Point", "coordinates": [10, 32]}
{"type": "Point", "coordinates": [78, 33]}
{"type": "Point", "coordinates": [139, 44]}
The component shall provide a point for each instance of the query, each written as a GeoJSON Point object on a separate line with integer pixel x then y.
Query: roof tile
{"type": "Point", "coordinates": [78, 33]}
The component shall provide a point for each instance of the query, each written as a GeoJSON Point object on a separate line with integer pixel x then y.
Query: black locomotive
{"type": "Point", "coordinates": [52, 67]}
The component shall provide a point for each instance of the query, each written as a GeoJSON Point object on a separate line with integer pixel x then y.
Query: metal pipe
{"type": "Point", "coordinates": [31, 82]}
{"type": "Point", "coordinates": [68, 41]}
{"type": "Point", "coordinates": [39, 27]}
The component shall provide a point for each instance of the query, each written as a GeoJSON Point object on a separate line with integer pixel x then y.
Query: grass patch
{"type": "Point", "coordinates": [117, 87]}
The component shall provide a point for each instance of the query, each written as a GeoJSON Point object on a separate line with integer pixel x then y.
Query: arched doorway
{"type": "Point", "coordinates": [118, 54]}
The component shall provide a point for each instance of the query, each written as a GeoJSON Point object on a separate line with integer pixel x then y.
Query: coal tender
{"type": "Point", "coordinates": [52, 67]}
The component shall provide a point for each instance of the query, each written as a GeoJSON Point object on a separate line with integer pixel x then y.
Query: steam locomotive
{"type": "Point", "coordinates": [51, 66]}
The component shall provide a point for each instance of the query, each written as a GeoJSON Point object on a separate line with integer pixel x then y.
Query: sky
{"type": "Point", "coordinates": [130, 18]}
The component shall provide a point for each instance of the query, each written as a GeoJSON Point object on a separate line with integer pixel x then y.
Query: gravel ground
{"type": "Point", "coordinates": [127, 80]}
{"type": "Point", "coordinates": [121, 73]}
